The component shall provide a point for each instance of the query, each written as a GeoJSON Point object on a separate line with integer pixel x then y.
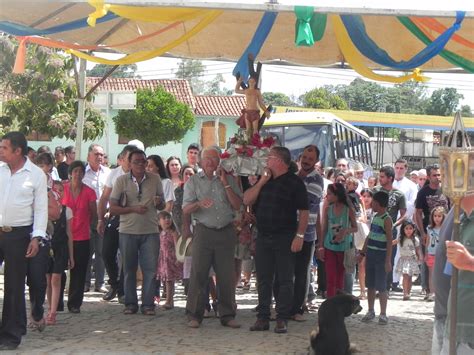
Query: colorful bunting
{"type": "Point", "coordinates": [437, 26]}
{"type": "Point", "coordinates": [145, 55]}
{"type": "Point", "coordinates": [16, 29]}
{"type": "Point", "coordinates": [358, 34]}
{"type": "Point", "coordinates": [143, 13]}
{"type": "Point", "coordinates": [309, 26]}
{"type": "Point", "coordinates": [258, 39]}
{"type": "Point", "coordinates": [47, 42]}
{"type": "Point", "coordinates": [354, 58]}
{"type": "Point", "coordinates": [451, 57]}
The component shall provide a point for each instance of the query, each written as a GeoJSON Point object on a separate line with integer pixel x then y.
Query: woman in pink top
{"type": "Point", "coordinates": [81, 199]}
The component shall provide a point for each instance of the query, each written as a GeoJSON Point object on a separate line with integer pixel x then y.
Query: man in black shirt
{"type": "Point", "coordinates": [281, 204]}
{"type": "Point", "coordinates": [63, 166]}
{"type": "Point", "coordinates": [429, 197]}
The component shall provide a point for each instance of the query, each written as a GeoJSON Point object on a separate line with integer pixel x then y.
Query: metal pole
{"type": "Point", "coordinates": [81, 107]}
{"type": "Point", "coordinates": [453, 306]}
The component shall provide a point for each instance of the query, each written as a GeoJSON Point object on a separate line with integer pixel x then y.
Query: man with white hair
{"type": "Point", "coordinates": [211, 197]}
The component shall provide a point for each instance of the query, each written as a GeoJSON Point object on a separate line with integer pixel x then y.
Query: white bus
{"type": "Point", "coordinates": [334, 137]}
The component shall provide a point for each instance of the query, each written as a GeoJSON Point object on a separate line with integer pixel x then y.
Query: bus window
{"type": "Point", "coordinates": [296, 137]}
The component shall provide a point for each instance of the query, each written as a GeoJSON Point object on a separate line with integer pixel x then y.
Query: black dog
{"type": "Point", "coordinates": [332, 338]}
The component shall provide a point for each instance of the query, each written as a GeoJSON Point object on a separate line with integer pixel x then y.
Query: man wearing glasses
{"type": "Point", "coordinates": [212, 198]}
{"type": "Point", "coordinates": [136, 197]}
{"type": "Point", "coordinates": [281, 204]}
{"type": "Point", "coordinates": [96, 177]}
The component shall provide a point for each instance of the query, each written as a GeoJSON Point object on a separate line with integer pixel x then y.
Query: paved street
{"type": "Point", "coordinates": [102, 328]}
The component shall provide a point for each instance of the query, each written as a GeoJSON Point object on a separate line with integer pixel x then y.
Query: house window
{"type": "Point", "coordinates": [38, 137]}
{"type": "Point", "coordinates": [208, 134]}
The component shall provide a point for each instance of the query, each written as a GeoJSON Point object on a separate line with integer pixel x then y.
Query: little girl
{"type": "Point", "coordinates": [366, 197]}
{"type": "Point", "coordinates": [409, 255]}
{"type": "Point", "coordinates": [436, 220]}
{"type": "Point", "coordinates": [169, 269]}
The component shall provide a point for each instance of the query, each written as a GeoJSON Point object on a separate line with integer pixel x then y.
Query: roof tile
{"type": "Point", "coordinates": [224, 106]}
{"type": "Point", "coordinates": [178, 87]}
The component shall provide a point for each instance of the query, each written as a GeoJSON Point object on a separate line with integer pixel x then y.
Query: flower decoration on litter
{"type": "Point", "coordinates": [246, 156]}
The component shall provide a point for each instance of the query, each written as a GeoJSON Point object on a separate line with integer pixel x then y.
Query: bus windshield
{"type": "Point", "coordinates": [296, 137]}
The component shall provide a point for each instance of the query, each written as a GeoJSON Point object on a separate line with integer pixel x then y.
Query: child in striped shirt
{"type": "Point", "coordinates": [378, 249]}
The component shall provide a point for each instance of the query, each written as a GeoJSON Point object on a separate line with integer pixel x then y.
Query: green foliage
{"type": "Point", "coordinates": [322, 98]}
{"type": "Point", "coordinates": [443, 102]}
{"type": "Point", "coordinates": [123, 71]}
{"type": "Point", "coordinates": [192, 70]}
{"type": "Point", "coordinates": [45, 96]}
{"type": "Point", "coordinates": [157, 119]}
{"type": "Point", "coordinates": [213, 87]}
{"type": "Point", "coordinates": [466, 111]}
{"type": "Point", "coordinates": [277, 99]}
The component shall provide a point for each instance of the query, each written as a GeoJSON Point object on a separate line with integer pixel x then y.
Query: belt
{"type": "Point", "coordinates": [8, 229]}
{"type": "Point", "coordinates": [214, 228]}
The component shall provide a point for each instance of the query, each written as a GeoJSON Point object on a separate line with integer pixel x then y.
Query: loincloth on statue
{"type": "Point", "coordinates": [250, 115]}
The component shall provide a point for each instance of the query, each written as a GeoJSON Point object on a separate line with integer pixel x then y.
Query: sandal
{"type": "Point", "coordinates": [51, 319]}
{"type": "Point", "coordinates": [37, 325]}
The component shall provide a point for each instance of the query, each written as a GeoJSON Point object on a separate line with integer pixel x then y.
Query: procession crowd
{"type": "Point", "coordinates": [157, 222]}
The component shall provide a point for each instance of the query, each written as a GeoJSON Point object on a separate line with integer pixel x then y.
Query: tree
{"type": "Point", "coordinates": [321, 98]}
{"type": "Point", "coordinates": [362, 95]}
{"type": "Point", "coordinates": [277, 99]}
{"type": "Point", "coordinates": [45, 96]}
{"type": "Point", "coordinates": [466, 111]}
{"type": "Point", "coordinates": [157, 119]}
{"type": "Point", "coordinates": [123, 71]}
{"type": "Point", "coordinates": [443, 102]}
{"type": "Point", "coordinates": [213, 87]}
{"type": "Point", "coordinates": [192, 70]}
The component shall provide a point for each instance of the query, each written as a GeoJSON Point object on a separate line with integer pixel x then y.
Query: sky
{"type": "Point", "coordinates": [296, 80]}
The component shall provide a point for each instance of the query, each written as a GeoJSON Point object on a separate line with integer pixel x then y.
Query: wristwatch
{"type": "Point", "coordinates": [300, 235]}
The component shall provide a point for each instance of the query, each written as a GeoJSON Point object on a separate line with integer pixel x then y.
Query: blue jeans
{"type": "Point", "coordinates": [96, 242]}
{"type": "Point", "coordinates": [143, 248]}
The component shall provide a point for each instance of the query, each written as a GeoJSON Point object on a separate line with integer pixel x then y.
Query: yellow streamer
{"type": "Point", "coordinates": [145, 55]}
{"type": "Point", "coordinates": [145, 14]}
{"type": "Point", "coordinates": [354, 58]}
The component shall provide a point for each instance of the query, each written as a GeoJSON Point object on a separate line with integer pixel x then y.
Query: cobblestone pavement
{"type": "Point", "coordinates": [102, 328]}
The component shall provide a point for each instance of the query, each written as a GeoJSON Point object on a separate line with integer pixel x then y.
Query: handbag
{"type": "Point", "coordinates": [350, 256]}
{"type": "Point", "coordinates": [360, 235]}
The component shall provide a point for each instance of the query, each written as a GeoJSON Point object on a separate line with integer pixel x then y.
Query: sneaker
{"type": "Point", "coordinates": [383, 319]}
{"type": "Point", "coordinates": [110, 295]}
{"type": "Point", "coordinates": [368, 316]}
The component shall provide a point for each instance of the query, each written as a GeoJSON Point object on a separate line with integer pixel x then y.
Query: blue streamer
{"type": "Point", "coordinates": [16, 29]}
{"type": "Point", "coordinates": [356, 29]}
{"type": "Point", "coordinates": [256, 44]}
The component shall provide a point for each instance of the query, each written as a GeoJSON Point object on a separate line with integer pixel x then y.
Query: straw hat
{"type": "Point", "coordinates": [182, 249]}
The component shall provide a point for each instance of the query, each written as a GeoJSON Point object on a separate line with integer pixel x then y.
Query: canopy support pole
{"type": "Point", "coordinates": [81, 107]}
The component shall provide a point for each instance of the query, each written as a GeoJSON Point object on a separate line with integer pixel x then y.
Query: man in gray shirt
{"type": "Point", "coordinates": [211, 197]}
{"type": "Point", "coordinates": [136, 196]}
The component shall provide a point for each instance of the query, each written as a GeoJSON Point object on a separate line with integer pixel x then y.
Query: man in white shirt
{"type": "Point", "coordinates": [409, 188]}
{"type": "Point", "coordinates": [108, 228]}
{"type": "Point", "coordinates": [96, 177]}
{"type": "Point", "coordinates": [23, 219]}
{"type": "Point", "coordinates": [405, 185]}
